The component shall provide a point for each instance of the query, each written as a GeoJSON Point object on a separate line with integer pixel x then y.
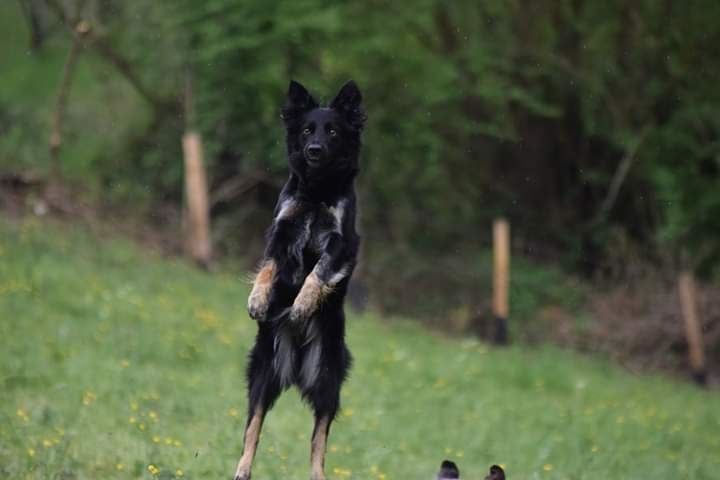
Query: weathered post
{"type": "Point", "coordinates": [693, 331]}
{"type": "Point", "coordinates": [198, 242]}
{"type": "Point", "coordinates": [198, 222]}
{"type": "Point", "coordinates": [501, 279]}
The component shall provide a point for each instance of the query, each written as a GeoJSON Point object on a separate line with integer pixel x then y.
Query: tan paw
{"type": "Point", "coordinates": [307, 300]}
{"type": "Point", "coordinates": [258, 304]}
{"type": "Point", "coordinates": [260, 296]}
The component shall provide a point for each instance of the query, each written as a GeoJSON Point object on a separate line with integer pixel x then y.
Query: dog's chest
{"type": "Point", "coordinates": [325, 221]}
{"type": "Point", "coordinates": [312, 225]}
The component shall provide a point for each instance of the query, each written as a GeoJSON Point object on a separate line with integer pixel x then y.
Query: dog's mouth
{"type": "Point", "coordinates": [313, 161]}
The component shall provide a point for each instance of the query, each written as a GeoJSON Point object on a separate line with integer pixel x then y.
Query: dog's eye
{"type": "Point", "coordinates": [306, 131]}
{"type": "Point", "coordinates": [332, 132]}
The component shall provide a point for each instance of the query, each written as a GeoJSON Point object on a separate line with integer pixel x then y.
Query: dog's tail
{"type": "Point", "coordinates": [448, 471]}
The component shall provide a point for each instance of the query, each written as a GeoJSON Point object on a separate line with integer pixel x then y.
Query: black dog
{"type": "Point", "coordinates": [297, 297]}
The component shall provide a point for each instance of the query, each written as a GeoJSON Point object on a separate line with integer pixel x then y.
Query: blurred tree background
{"type": "Point", "coordinates": [593, 126]}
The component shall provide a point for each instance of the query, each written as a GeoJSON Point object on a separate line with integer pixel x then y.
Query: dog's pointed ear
{"type": "Point", "coordinates": [348, 102]}
{"type": "Point", "coordinates": [300, 97]}
{"type": "Point", "coordinates": [448, 471]}
{"type": "Point", "coordinates": [348, 97]}
{"type": "Point", "coordinates": [299, 101]}
{"type": "Point", "coordinates": [496, 473]}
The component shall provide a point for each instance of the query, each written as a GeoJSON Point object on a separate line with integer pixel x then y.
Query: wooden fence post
{"type": "Point", "coordinates": [197, 221]}
{"type": "Point", "coordinates": [198, 218]}
{"type": "Point", "coordinates": [501, 279]}
{"type": "Point", "coordinates": [693, 330]}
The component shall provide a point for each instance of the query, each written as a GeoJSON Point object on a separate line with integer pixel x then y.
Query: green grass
{"type": "Point", "coordinates": [112, 360]}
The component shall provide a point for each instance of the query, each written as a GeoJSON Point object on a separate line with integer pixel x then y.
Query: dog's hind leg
{"type": "Point", "coordinates": [319, 445]}
{"type": "Point", "coordinates": [252, 436]}
{"type": "Point", "coordinates": [324, 396]}
{"type": "Point", "coordinates": [263, 390]}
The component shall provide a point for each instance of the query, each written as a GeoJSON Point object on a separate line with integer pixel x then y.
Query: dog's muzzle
{"type": "Point", "coordinates": [314, 154]}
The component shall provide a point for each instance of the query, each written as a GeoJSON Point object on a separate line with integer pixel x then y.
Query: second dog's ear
{"type": "Point", "coordinates": [299, 98]}
{"type": "Point", "coordinates": [348, 103]}
{"type": "Point", "coordinates": [448, 471]}
{"type": "Point", "coordinates": [496, 473]}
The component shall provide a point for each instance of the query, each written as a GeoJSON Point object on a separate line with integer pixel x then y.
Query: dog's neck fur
{"type": "Point", "coordinates": [320, 190]}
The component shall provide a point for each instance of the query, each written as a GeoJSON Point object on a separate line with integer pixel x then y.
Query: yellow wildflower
{"type": "Point", "coordinates": [22, 414]}
{"type": "Point", "coordinates": [88, 398]}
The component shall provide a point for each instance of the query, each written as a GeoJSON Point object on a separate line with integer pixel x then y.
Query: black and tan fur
{"type": "Point", "coordinates": [297, 297]}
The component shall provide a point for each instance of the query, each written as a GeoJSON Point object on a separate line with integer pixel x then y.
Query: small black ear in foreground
{"type": "Point", "coordinates": [496, 473]}
{"type": "Point", "coordinates": [448, 471]}
{"type": "Point", "coordinates": [348, 103]}
{"type": "Point", "coordinates": [299, 101]}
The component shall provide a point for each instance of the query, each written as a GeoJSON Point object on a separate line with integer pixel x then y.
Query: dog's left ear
{"type": "Point", "coordinates": [348, 102]}
{"type": "Point", "coordinates": [448, 471]}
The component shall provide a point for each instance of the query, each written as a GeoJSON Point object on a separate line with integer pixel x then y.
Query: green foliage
{"type": "Point", "coordinates": [475, 110]}
{"type": "Point", "coordinates": [113, 361]}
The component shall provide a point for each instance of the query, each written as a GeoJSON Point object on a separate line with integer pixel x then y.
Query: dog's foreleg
{"type": "Point", "coordinates": [330, 270]}
{"type": "Point", "coordinates": [252, 436]}
{"type": "Point", "coordinates": [260, 296]}
{"type": "Point", "coordinates": [318, 447]}
{"type": "Point", "coordinates": [309, 297]}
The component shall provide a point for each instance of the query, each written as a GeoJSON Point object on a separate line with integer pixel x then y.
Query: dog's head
{"type": "Point", "coordinates": [323, 141]}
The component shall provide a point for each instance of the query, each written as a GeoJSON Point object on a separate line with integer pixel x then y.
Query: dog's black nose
{"type": "Point", "coordinates": [314, 151]}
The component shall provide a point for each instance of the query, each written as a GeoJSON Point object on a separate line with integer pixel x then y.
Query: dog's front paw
{"type": "Point", "coordinates": [259, 299]}
{"type": "Point", "coordinates": [258, 304]}
{"type": "Point", "coordinates": [301, 311]}
{"type": "Point", "coordinates": [307, 300]}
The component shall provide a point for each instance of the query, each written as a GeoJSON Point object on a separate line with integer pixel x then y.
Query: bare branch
{"type": "Point", "coordinates": [61, 99]}
{"type": "Point", "coordinates": [110, 55]}
{"type": "Point", "coordinates": [619, 177]}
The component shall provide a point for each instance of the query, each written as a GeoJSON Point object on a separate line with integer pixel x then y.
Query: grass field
{"type": "Point", "coordinates": [120, 364]}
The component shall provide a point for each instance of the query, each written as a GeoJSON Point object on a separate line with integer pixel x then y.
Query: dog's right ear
{"type": "Point", "coordinates": [299, 101]}
{"type": "Point", "coordinates": [448, 471]}
{"type": "Point", "coordinates": [496, 473]}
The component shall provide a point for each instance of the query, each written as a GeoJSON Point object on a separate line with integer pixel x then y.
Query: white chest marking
{"type": "Point", "coordinates": [338, 212]}
{"type": "Point", "coordinates": [287, 208]}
